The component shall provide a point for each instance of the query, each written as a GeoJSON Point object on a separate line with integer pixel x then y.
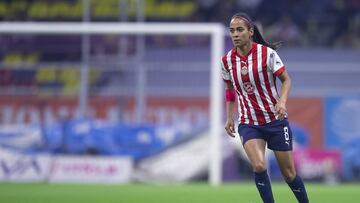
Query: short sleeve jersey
{"type": "Point", "coordinates": [253, 77]}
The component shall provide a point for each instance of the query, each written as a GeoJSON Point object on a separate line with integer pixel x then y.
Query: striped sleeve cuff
{"type": "Point", "coordinates": [279, 71]}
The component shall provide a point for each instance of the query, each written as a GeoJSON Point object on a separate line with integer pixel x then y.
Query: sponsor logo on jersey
{"type": "Point", "coordinates": [249, 88]}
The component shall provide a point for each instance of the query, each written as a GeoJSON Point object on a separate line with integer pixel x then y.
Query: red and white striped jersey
{"type": "Point", "coordinates": [253, 77]}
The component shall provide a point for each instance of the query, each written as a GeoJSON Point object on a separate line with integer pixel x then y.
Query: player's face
{"type": "Point", "coordinates": [239, 32]}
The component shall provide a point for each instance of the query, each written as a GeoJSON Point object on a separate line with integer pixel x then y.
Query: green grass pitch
{"type": "Point", "coordinates": [179, 193]}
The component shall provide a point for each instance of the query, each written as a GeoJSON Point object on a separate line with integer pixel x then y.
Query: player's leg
{"type": "Point", "coordinates": [255, 150]}
{"type": "Point", "coordinates": [286, 165]}
{"type": "Point", "coordinates": [287, 168]}
{"type": "Point", "coordinates": [280, 141]}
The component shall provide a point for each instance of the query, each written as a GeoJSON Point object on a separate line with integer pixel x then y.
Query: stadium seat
{"type": "Point", "coordinates": [75, 135]}
{"type": "Point", "coordinates": [138, 141]}
{"type": "Point", "coordinates": [101, 139]}
{"type": "Point", "coordinates": [53, 138]}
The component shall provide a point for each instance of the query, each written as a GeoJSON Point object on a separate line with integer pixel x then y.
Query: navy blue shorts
{"type": "Point", "coordinates": [276, 134]}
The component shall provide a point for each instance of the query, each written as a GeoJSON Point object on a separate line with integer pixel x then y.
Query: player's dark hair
{"type": "Point", "coordinates": [257, 37]}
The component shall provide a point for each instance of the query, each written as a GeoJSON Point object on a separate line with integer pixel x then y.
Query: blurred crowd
{"type": "Point", "coordinates": [297, 23]}
{"type": "Point", "coordinates": [330, 23]}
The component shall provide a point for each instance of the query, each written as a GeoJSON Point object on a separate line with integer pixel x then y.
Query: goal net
{"type": "Point", "coordinates": [151, 74]}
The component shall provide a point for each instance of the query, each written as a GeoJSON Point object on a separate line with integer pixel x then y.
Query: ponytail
{"type": "Point", "coordinates": [257, 37]}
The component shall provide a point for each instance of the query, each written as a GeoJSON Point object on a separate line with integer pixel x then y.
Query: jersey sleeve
{"type": "Point", "coordinates": [275, 63]}
{"type": "Point", "coordinates": [225, 72]}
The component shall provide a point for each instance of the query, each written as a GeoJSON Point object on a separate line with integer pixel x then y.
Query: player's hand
{"type": "Point", "coordinates": [229, 127]}
{"type": "Point", "coordinates": [280, 110]}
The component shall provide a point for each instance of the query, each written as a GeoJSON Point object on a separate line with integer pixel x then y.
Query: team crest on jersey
{"type": "Point", "coordinates": [249, 88]}
{"type": "Point", "coordinates": [244, 70]}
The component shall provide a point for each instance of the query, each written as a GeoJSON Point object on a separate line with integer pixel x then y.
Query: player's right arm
{"type": "Point", "coordinates": [230, 105]}
{"type": "Point", "coordinates": [230, 98]}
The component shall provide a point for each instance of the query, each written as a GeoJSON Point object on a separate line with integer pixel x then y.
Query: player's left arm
{"type": "Point", "coordinates": [285, 89]}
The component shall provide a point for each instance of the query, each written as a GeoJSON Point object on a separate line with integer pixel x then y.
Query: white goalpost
{"type": "Point", "coordinates": [215, 31]}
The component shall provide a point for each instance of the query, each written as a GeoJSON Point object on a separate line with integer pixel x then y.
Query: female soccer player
{"type": "Point", "coordinates": [249, 70]}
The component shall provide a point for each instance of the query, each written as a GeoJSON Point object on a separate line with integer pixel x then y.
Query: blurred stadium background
{"type": "Point", "coordinates": [132, 111]}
